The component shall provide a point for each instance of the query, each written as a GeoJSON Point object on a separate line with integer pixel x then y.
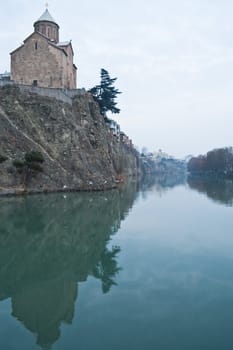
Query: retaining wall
{"type": "Point", "coordinates": [64, 95]}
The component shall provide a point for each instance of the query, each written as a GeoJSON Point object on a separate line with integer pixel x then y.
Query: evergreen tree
{"type": "Point", "coordinates": [105, 93]}
{"type": "Point", "coordinates": [30, 166]}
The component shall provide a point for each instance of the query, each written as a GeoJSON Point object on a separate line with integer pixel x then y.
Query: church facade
{"type": "Point", "coordinates": [42, 60]}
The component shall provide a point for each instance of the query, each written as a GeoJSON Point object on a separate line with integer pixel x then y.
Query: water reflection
{"type": "Point", "coordinates": [50, 243]}
{"type": "Point", "coordinates": [161, 183]}
{"type": "Point", "coordinates": [220, 191]}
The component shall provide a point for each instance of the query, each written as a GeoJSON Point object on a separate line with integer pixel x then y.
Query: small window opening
{"type": "Point", "coordinates": [35, 83]}
{"type": "Point", "coordinates": [36, 45]}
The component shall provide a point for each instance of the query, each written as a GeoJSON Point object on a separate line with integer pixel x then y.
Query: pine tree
{"type": "Point", "coordinates": [105, 93]}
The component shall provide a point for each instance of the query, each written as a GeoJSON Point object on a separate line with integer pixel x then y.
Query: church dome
{"type": "Point", "coordinates": [46, 17]}
{"type": "Point", "coordinates": [47, 26]}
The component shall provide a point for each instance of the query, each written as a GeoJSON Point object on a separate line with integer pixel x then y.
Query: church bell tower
{"type": "Point", "coordinates": [47, 26]}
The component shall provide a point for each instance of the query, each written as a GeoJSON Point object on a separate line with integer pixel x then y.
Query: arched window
{"type": "Point", "coordinates": [36, 45]}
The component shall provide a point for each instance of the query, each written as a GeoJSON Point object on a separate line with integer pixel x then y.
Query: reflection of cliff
{"type": "Point", "coordinates": [50, 243]}
{"type": "Point", "coordinates": [220, 191]}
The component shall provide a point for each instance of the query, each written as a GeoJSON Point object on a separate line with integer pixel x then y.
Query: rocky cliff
{"type": "Point", "coordinates": [79, 151]}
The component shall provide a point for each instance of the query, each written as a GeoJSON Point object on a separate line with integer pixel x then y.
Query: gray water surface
{"type": "Point", "coordinates": [147, 267]}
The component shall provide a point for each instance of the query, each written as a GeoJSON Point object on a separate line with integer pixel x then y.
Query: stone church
{"type": "Point", "coordinates": [42, 60]}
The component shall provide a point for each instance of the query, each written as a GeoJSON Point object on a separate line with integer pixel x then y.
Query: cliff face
{"type": "Point", "coordinates": [79, 151]}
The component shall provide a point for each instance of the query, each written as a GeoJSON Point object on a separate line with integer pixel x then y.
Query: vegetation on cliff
{"type": "Point", "coordinates": [2, 158]}
{"type": "Point", "coordinates": [29, 166]}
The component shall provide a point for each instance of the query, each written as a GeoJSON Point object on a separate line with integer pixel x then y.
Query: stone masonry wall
{"type": "Point", "coordinates": [37, 60]}
{"type": "Point", "coordinates": [64, 95]}
{"type": "Point", "coordinates": [68, 68]}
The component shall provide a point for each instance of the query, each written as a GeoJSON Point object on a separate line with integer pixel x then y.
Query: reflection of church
{"type": "Point", "coordinates": [42, 308]}
{"type": "Point", "coordinates": [48, 245]}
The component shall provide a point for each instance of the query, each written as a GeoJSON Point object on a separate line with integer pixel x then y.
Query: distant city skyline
{"type": "Point", "coordinates": [173, 62]}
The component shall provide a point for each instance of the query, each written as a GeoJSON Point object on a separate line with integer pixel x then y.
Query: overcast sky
{"type": "Point", "coordinates": [173, 60]}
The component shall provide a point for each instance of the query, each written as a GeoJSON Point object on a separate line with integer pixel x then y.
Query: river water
{"type": "Point", "coordinates": [142, 267]}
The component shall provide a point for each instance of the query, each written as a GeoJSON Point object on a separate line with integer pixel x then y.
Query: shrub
{"type": "Point", "coordinates": [34, 156]}
{"type": "Point", "coordinates": [19, 164]}
{"type": "Point", "coordinates": [2, 158]}
{"type": "Point", "coordinates": [30, 165]}
{"type": "Point", "coordinates": [35, 166]}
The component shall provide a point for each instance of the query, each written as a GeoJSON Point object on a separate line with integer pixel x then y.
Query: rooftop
{"type": "Point", "coordinates": [5, 76]}
{"type": "Point", "coordinates": [46, 17]}
{"type": "Point", "coordinates": [64, 43]}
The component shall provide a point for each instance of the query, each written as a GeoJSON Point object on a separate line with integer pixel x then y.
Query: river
{"type": "Point", "coordinates": [142, 267]}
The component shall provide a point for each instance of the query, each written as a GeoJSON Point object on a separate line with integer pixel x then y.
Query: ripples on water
{"type": "Point", "coordinates": [148, 266]}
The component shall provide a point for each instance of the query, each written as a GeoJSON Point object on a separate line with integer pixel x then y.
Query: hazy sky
{"type": "Point", "coordinates": [173, 60]}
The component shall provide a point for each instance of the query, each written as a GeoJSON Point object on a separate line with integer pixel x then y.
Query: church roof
{"type": "Point", "coordinates": [64, 43]}
{"type": "Point", "coordinates": [43, 36]}
{"type": "Point", "coordinates": [46, 17]}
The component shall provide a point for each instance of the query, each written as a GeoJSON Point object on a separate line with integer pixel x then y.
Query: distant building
{"type": "Point", "coordinates": [158, 155]}
{"type": "Point", "coordinates": [5, 76]}
{"type": "Point", "coordinates": [42, 60]}
{"type": "Point", "coordinates": [113, 126]}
